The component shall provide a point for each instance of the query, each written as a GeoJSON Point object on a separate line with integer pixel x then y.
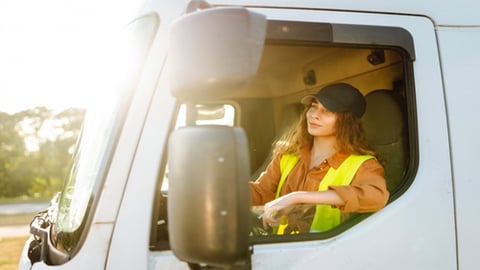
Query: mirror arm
{"type": "Point", "coordinates": [194, 5]}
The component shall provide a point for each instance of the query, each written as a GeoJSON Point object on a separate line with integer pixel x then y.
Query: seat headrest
{"type": "Point", "coordinates": [383, 119]}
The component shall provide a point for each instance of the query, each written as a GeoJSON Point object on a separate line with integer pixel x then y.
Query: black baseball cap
{"type": "Point", "coordinates": [339, 97]}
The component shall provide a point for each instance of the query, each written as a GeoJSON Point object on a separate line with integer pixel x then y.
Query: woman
{"type": "Point", "coordinates": [324, 161]}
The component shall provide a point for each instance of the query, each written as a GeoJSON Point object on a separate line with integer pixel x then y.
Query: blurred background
{"type": "Point", "coordinates": [49, 54]}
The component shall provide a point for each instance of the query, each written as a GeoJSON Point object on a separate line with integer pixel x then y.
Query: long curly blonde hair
{"type": "Point", "coordinates": [350, 136]}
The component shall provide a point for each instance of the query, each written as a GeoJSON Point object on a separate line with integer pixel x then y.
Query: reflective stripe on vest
{"type": "Point", "coordinates": [326, 217]}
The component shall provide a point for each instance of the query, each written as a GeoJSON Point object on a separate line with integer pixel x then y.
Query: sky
{"type": "Point", "coordinates": [49, 49]}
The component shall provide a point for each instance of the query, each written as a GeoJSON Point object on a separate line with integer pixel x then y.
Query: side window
{"type": "Point", "coordinates": [382, 76]}
{"type": "Point", "coordinates": [382, 73]}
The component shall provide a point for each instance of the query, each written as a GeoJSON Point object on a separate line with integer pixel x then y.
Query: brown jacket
{"type": "Point", "coordinates": [366, 193]}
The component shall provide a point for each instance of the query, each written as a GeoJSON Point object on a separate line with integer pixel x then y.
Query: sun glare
{"type": "Point", "coordinates": [52, 51]}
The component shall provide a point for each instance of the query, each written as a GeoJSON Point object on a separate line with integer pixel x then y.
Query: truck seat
{"type": "Point", "coordinates": [385, 125]}
{"type": "Point", "coordinates": [289, 116]}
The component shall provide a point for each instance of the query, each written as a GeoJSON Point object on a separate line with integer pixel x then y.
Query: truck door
{"type": "Point", "coordinates": [417, 227]}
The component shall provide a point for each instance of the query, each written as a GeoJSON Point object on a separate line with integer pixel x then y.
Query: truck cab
{"type": "Point", "coordinates": [202, 91]}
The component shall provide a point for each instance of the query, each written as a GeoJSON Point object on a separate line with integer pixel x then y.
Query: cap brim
{"type": "Point", "coordinates": [325, 101]}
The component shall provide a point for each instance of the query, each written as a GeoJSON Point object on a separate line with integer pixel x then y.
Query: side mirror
{"type": "Point", "coordinates": [214, 51]}
{"type": "Point", "coordinates": [211, 53]}
{"type": "Point", "coordinates": [208, 197]}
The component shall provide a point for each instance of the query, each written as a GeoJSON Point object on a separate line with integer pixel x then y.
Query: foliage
{"type": "Point", "coordinates": [35, 149]}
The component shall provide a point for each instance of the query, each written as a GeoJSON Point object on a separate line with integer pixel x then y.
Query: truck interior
{"type": "Point", "coordinates": [299, 59]}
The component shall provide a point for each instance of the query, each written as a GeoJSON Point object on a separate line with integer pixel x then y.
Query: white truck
{"type": "Point", "coordinates": [159, 177]}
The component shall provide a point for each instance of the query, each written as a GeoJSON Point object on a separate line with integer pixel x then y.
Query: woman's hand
{"type": "Point", "coordinates": [276, 209]}
{"type": "Point", "coordinates": [280, 207]}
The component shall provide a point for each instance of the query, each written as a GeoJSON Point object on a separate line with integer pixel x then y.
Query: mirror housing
{"type": "Point", "coordinates": [208, 197]}
{"type": "Point", "coordinates": [214, 51]}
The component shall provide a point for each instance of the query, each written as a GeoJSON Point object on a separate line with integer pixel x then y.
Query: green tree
{"type": "Point", "coordinates": [52, 160]}
{"type": "Point", "coordinates": [35, 150]}
{"type": "Point", "coordinates": [13, 177]}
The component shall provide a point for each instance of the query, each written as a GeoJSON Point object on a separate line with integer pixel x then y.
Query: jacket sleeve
{"type": "Point", "coordinates": [368, 190]}
{"type": "Point", "coordinates": [264, 188]}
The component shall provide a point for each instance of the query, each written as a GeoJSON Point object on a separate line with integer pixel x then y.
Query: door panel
{"type": "Point", "coordinates": [416, 229]}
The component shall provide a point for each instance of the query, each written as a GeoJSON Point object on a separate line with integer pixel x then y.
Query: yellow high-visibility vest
{"type": "Point", "coordinates": [326, 217]}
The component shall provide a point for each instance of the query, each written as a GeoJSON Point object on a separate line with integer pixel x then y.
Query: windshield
{"type": "Point", "coordinates": [100, 131]}
{"type": "Point", "coordinates": [88, 161]}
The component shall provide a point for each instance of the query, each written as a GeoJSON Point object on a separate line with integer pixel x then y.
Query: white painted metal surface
{"type": "Point", "coordinates": [460, 70]}
{"type": "Point", "coordinates": [443, 12]}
